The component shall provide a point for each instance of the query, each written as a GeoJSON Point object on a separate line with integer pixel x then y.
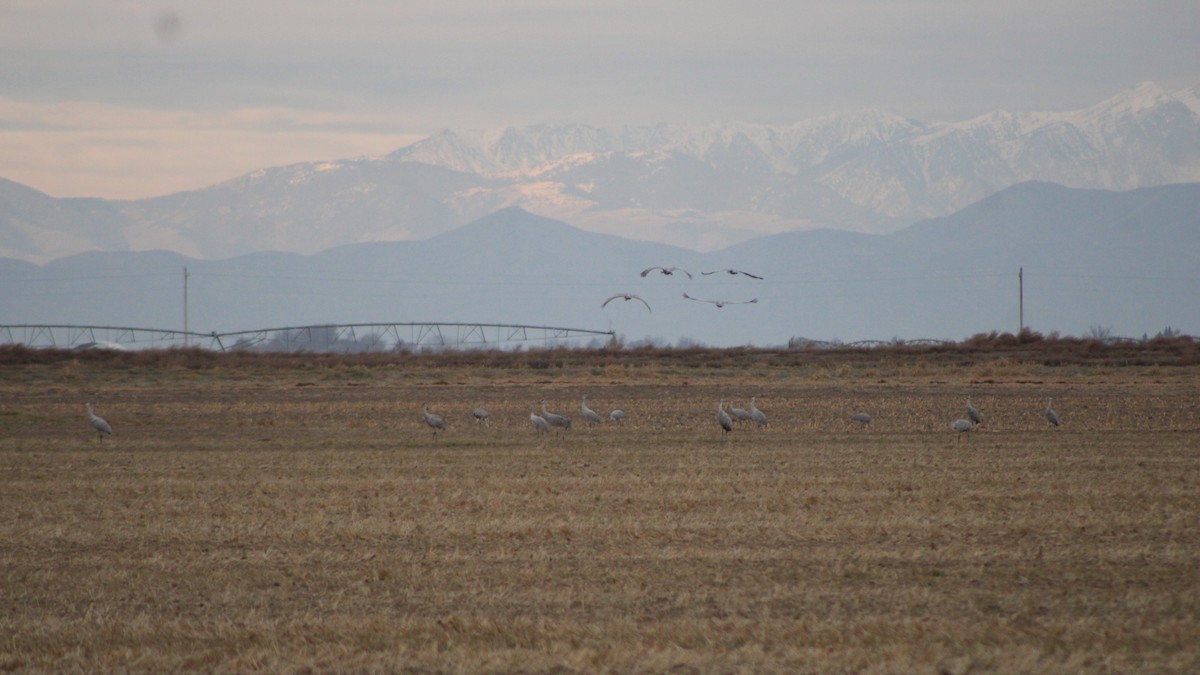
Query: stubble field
{"type": "Point", "coordinates": [300, 516]}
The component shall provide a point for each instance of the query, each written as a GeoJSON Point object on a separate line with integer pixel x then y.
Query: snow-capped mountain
{"type": "Point", "coordinates": [895, 167]}
{"type": "Point", "coordinates": [1142, 137]}
{"type": "Point", "coordinates": [701, 187]}
{"type": "Point", "coordinates": [543, 150]}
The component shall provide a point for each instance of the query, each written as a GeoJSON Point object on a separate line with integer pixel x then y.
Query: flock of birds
{"type": "Point", "coordinates": [668, 271]}
{"type": "Point", "coordinates": [726, 419]}
{"type": "Point", "coordinates": [975, 418]}
{"type": "Point", "coordinates": [541, 422]}
{"type": "Point", "coordinates": [546, 420]}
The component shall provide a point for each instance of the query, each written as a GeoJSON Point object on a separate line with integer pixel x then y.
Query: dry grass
{"type": "Point", "coordinates": [253, 517]}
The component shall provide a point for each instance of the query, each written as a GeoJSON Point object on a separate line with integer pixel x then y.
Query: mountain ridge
{"type": "Point", "coordinates": [1090, 257]}
{"type": "Point", "coordinates": [698, 186]}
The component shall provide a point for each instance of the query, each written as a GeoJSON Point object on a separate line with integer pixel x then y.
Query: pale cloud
{"type": "Point", "coordinates": [108, 85]}
{"type": "Point", "coordinates": [78, 149]}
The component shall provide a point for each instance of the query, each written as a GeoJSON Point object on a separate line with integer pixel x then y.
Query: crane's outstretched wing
{"type": "Point", "coordinates": [626, 296]}
{"type": "Point", "coordinates": [732, 271]}
{"type": "Point", "coordinates": [722, 303]}
{"type": "Point", "coordinates": [667, 271]}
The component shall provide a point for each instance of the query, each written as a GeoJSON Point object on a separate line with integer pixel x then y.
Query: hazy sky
{"type": "Point", "coordinates": [135, 98]}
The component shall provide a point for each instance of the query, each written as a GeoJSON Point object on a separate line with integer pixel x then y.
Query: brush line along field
{"type": "Point", "coordinates": [300, 515]}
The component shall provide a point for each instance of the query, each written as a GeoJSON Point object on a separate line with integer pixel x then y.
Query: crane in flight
{"type": "Point", "coordinates": [722, 303]}
{"type": "Point", "coordinates": [730, 270]}
{"type": "Point", "coordinates": [626, 296]}
{"type": "Point", "coordinates": [666, 271]}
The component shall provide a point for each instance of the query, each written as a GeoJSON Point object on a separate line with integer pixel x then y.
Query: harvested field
{"type": "Point", "coordinates": [296, 513]}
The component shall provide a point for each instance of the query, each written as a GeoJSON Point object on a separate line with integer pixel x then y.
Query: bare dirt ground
{"type": "Point", "coordinates": [299, 515]}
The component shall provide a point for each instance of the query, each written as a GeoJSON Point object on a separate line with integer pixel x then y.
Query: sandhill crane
{"type": "Point", "coordinates": [555, 420]}
{"type": "Point", "coordinates": [1051, 416]}
{"type": "Point", "coordinates": [435, 422]}
{"type": "Point", "coordinates": [962, 426]}
{"type": "Point", "coordinates": [539, 423]}
{"type": "Point", "coordinates": [862, 418]}
{"type": "Point", "coordinates": [973, 413]}
{"type": "Point", "coordinates": [722, 303]}
{"type": "Point", "coordinates": [756, 414]}
{"type": "Point", "coordinates": [738, 414]}
{"type": "Point", "coordinates": [732, 271]}
{"type": "Point", "coordinates": [617, 416]}
{"type": "Point", "coordinates": [98, 423]}
{"type": "Point", "coordinates": [723, 419]}
{"type": "Point", "coordinates": [589, 415]}
{"type": "Point", "coordinates": [667, 271]}
{"type": "Point", "coordinates": [626, 296]}
{"type": "Point", "coordinates": [480, 415]}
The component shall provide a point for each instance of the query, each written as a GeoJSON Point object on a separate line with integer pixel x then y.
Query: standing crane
{"type": "Point", "coordinates": [555, 420]}
{"type": "Point", "coordinates": [973, 413]}
{"type": "Point", "coordinates": [98, 423]}
{"type": "Point", "coordinates": [480, 415]}
{"type": "Point", "coordinates": [589, 415]}
{"type": "Point", "coordinates": [962, 426]}
{"type": "Point", "coordinates": [739, 414]}
{"type": "Point", "coordinates": [539, 423]}
{"type": "Point", "coordinates": [1051, 416]}
{"type": "Point", "coordinates": [864, 419]}
{"type": "Point", "coordinates": [723, 419]}
{"type": "Point", "coordinates": [757, 415]}
{"type": "Point", "coordinates": [617, 416]}
{"type": "Point", "coordinates": [435, 422]}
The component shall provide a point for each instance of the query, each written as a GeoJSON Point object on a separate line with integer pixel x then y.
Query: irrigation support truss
{"type": "Point", "coordinates": [321, 337]}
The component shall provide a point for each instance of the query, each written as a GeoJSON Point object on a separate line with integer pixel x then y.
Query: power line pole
{"type": "Point", "coordinates": [1021, 299]}
{"type": "Point", "coordinates": [185, 309]}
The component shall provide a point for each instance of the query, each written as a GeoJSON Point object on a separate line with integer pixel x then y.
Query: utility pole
{"type": "Point", "coordinates": [185, 310]}
{"type": "Point", "coordinates": [1021, 299]}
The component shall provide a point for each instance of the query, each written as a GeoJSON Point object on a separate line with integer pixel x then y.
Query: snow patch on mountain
{"type": "Point", "coordinates": [698, 186]}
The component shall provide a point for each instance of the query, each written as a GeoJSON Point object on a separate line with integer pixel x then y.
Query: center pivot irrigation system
{"type": "Point", "coordinates": [348, 337]}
